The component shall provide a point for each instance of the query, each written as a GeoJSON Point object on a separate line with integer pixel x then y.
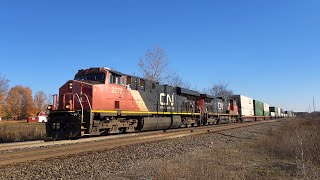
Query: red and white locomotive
{"type": "Point", "coordinates": [101, 101]}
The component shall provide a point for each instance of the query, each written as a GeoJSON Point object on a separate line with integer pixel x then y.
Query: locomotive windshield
{"type": "Point", "coordinates": [93, 77]}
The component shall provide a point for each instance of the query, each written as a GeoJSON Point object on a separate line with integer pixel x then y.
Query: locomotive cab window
{"type": "Point", "coordinates": [122, 81]}
{"type": "Point", "coordinates": [118, 79]}
{"type": "Point", "coordinates": [115, 79]}
{"type": "Point", "coordinates": [91, 77]}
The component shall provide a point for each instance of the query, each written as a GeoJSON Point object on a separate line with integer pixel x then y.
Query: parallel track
{"type": "Point", "coordinates": [26, 155]}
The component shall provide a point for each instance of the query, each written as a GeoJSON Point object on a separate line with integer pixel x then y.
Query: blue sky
{"type": "Point", "coordinates": [266, 49]}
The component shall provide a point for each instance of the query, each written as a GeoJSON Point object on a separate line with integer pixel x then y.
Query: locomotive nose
{"type": "Point", "coordinates": [75, 95]}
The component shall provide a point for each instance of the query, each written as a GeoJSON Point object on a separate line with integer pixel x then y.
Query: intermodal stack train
{"type": "Point", "coordinates": [100, 101]}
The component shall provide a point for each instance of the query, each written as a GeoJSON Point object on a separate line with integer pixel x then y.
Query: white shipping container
{"type": "Point", "coordinates": [279, 111]}
{"type": "Point", "coordinates": [246, 102]}
{"type": "Point", "coordinates": [245, 105]}
{"type": "Point", "coordinates": [247, 112]}
{"type": "Point", "coordinates": [273, 114]}
{"type": "Point", "coordinates": [266, 107]}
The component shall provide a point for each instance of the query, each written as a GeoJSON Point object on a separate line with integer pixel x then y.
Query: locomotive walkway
{"type": "Point", "coordinates": [69, 148]}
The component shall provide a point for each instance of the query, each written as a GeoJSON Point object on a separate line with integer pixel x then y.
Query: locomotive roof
{"type": "Point", "coordinates": [180, 90]}
{"type": "Point", "coordinates": [207, 96]}
{"type": "Point", "coordinates": [187, 92]}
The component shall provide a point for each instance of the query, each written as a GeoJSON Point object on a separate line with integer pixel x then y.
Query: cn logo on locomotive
{"type": "Point", "coordinates": [166, 99]}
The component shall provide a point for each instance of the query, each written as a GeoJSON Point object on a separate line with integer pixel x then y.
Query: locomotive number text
{"type": "Point", "coordinates": [116, 90]}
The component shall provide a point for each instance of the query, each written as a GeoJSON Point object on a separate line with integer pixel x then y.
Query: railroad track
{"type": "Point", "coordinates": [41, 143]}
{"type": "Point", "coordinates": [105, 143]}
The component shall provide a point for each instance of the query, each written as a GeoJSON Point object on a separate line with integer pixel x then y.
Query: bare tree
{"type": "Point", "coordinates": [4, 84]}
{"type": "Point", "coordinates": [40, 101]}
{"type": "Point", "coordinates": [154, 65]}
{"type": "Point", "coordinates": [177, 81]}
{"type": "Point", "coordinates": [219, 90]}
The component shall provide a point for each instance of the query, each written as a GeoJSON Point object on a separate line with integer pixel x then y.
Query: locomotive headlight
{"type": "Point", "coordinates": [67, 106]}
{"type": "Point", "coordinates": [49, 107]}
{"type": "Point", "coordinates": [70, 85]}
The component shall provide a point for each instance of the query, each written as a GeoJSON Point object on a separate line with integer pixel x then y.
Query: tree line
{"type": "Point", "coordinates": [17, 103]}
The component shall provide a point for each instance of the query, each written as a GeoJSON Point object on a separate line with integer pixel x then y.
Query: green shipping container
{"type": "Point", "coordinates": [266, 113]}
{"type": "Point", "coordinates": [275, 110]}
{"type": "Point", "coordinates": [272, 109]}
{"type": "Point", "coordinates": [258, 108]}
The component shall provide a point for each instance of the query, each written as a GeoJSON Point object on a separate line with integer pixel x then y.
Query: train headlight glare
{"type": "Point", "coordinates": [49, 107]}
{"type": "Point", "coordinates": [70, 85]}
{"type": "Point", "coordinates": [68, 106]}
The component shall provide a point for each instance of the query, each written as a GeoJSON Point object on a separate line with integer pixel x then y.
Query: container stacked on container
{"type": "Point", "coordinates": [266, 110]}
{"type": "Point", "coordinates": [273, 112]}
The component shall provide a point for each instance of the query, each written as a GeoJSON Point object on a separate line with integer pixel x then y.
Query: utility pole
{"type": "Point", "coordinates": [314, 107]}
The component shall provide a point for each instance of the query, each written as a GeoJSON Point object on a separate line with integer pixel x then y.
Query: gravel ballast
{"type": "Point", "coordinates": [136, 161]}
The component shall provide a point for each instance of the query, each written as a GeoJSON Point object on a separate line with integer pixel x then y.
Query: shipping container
{"type": "Point", "coordinates": [245, 105]}
{"type": "Point", "coordinates": [266, 110]}
{"type": "Point", "coordinates": [289, 113]}
{"type": "Point", "coordinates": [278, 111]}
{"type": "Point", "coordinates": [274, 110]}
{"type": "Point", "coordinates": [258, 108]}
{"type": "Point", "coordinates": [272, 114]}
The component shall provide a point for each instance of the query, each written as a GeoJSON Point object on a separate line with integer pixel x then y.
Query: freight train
{"type": "Point", "coordinates": [100, 101]}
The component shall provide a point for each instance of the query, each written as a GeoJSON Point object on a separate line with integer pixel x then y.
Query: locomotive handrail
{"type": "Point", "coordinates": [88, 102]}
{"type": "Point", "coordinates": [81, 106]}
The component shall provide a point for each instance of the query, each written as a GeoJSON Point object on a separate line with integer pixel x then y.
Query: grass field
{"type": "Point", "coordinates": [15, 131]}
{"type": "Point", "coordinates": [298, 143]}
{"type": "Point", "coordinates": [291, 152]}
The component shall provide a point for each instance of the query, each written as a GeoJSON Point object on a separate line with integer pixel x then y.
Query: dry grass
{"type": "Point", "coordinates": [231, 163]}
{"type": "Point", "coordinates": [13, 131]}
{"type": "Point", "coordinates": [297, 142]}
{"type": "Point", "coordinates": [206, 165]}
{"type": "Point", "coordinates": [291, 152]}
